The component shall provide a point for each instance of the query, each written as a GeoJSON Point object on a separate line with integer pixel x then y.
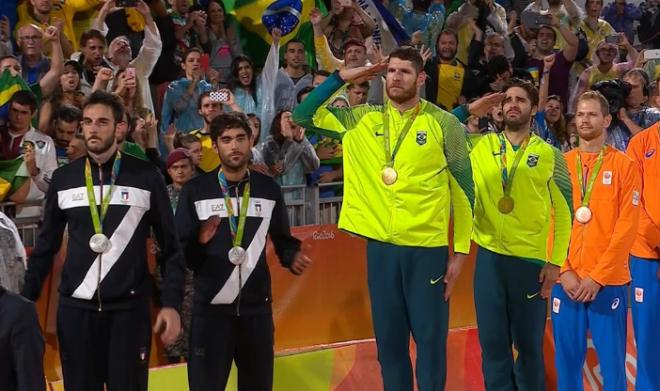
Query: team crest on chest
{"type": "Point", "coordinates": [532, 160]}
{"type": "Point", "coordinates": [421, 137]}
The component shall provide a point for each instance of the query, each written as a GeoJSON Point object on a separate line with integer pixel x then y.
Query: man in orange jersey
{"type": "Point", "coordinates": [593, 291]}
{"type": "Point", "coordinates": [644, 148]}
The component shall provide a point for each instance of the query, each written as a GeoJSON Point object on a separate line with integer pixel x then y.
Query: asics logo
{"type": "Point", "coordinates": [615, 303]}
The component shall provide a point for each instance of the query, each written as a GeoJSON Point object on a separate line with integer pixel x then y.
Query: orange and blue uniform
{"type": "Point", "coordinates": [644, 149]}
{"type": "Point", "coordinates": [599, 250]}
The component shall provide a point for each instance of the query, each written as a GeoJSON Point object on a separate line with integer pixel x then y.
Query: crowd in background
{"type": "Point", "coordinates": [177, 65]}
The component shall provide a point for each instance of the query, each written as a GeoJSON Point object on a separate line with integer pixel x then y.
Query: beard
{"type": "Point", "coordinates": [402, 95]}
{"type": "Point", "coordinates": [234, 162]}
{"type": "Point", "coordinates": [516, 123]}
{"type": "Point", "coordinates": [447, 55]}
{"type": "Point", "coordinates": [103, 146]}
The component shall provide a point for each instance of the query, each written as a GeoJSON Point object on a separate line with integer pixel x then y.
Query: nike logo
{"type": "Point", "coordinates": [435, 281]}
{"type": "Point", "coordinates": [533, 295]}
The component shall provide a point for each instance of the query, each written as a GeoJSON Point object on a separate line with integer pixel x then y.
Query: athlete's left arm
{"type": "Point", "coordinates": [625, 229]}
{"type": "Point", "coordinates": [461, 185]}
{"type": "Point", "coordinates": [286, 246]}
{"type": "Point", "coordinates": [161, 219]}
{"type": "Point", "coordinates": [561, 197]}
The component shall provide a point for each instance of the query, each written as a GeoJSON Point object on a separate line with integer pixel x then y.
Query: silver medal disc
{"type": "Point", "coordinates": [237, 255]}
{"type": "Point", "coordinates": [100, 243]}
{"type": "Point", "coordinates": [583, 215]}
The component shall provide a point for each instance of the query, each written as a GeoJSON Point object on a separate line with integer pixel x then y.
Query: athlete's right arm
{"type": "Point", "coordinates": [311, 113]}
{"type": "Point", "coordinates": [48, 244]}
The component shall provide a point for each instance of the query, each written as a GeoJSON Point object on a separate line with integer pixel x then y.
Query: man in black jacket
{"type": "Point", "coordinates": [103, 320]}
{"type": "Point", "coordinates": [223, 218]}
{"type": "Point", "coordinates": [21, 345]}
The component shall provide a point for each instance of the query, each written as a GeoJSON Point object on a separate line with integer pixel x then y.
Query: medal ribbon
{"type": "Point", "coordinates": [389, 156]}
{"type": "Point", "coordinates": [586, 191]}
{"type": "Point", "coordinates": [507, 178]}
{"type": "Point", "coordinates": [236, 229]}
{"type": "Point", "coordinates": [105, 202]}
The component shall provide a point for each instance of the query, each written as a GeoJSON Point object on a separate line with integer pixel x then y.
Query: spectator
{"type": "Point", "coordinates": [648, 30]}
{"type": "Point", "coordinates": [345, 20]}
{"type": "Point", "coordinates": [120, 54]}
{"type": "Point", "coordinates": [180, 102]}
{"type": "Point", "coordinates": [357, 93]}
{"type": "Point", "coordinates": [636, 115]}
{"type": "Point", "coordinates": [289, 154]}
{"type": "Point", "coordinates": [21, 344]}
{"type": "Point", "coordinates": [67, 92]}
{"type": "Point", "coordinates": [92, 46]}
{"type": "Point", "coordinates": [549, 123]}
{"type": "Point", "coordinates": [224, 44]}
{"type": "Point", "coordinates": [122, 132]}
{"type": "Point", "coordinates": [167, 69]}
{"type": "Point", "coordinates": [487, 15]}
{"type": "Point", "coordinates": [76, 148]}
{"type": "Point", "coordinates": [18, 137]}
{"type": "Point", "coordinates": [194, 147]}
{"type": "Point", "coordinates": [498, 71]}
{"type": "Point", "coordinates": [256, 94]}
{"type": "Point", "coordinates": [47, 84]}
{"type": "Point", "coordinates": [34, 64]}
{"type": "Point", "coordinates": [545, 43]}
{"type": "Point", "coordinates": [189, 28]}
{"type": "Point", "coordinates": [5, 37]}
{"type": "Point", "coordinates": [324, 55]}
{"type": "Point", "coordinates": [293, 77]}
{"type": "Point", "coordinates": [604, 67]}
{"type": "Point", "coordinates": [128, 88]}
{"type": "Point", "coordinates": [446, 73]}
{"type": "Point", "coordinates": [63, 128]}
{"type": "Point", "coordinates": [481, 49]}
{"type": "Point", "coordinates": [13, 259]}
{"type": "Point", "coordinates": [423, 22]}
{"type": "Point", "coordinates": [43, 14]}
{"type": "Point", "coordinates": [621, 16]}
{"type": "Point", "coordinates": [319, 76]}
{"type": "Point", "coordinates": [209, 109]}
{"type": "Point", "coordinates": [567, 11]}
{"type": "Point", "coordinates": [595, 29]}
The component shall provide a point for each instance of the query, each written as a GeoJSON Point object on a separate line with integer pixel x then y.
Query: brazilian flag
{"type": "Point", "coordinates": [13, 175]}
{"type": "Point", "coordinates": [256, 40]}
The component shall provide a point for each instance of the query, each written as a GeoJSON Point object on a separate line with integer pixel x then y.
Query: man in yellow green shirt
{"type": "Point", "coordinates": [521, 184]}
{"type": "Point", "coordinates": [406, 166]}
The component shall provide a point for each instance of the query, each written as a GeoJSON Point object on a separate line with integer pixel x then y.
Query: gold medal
{"type": "Point", "coordinates": [505, 204]}
{"type": "Point", "coordinates": [389, 175]}
{"type": "Point", "coordinates": [583, 215]}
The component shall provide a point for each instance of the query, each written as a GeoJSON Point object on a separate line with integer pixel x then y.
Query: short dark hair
{"type": "Point", "coordinates": [193, 49]}
{"type": "Point", "coordinates": [364, 84]}
{"type": "Point", "coordinates": [532, 91]}
{"type": "Point", "coordinates": [92, 34]}
{"type": "Point", "coordinates": [306, 90]}
{"type": "Point", "coordinates": [547, 27]}
{"type": "Point", "coordinates": [409, 54]}
{"type": "Point", "coordinates": [204, 94]}
{"type": "Point", "coordinates": [184, 140]}
{"type": "Point", "coordinates": [24, 98]}
{"type": "Point", "coordinates": [3, 58]}
{"type": "Point", "coordinates": [320, 72]}
{"type": "Point", "coordinates": [294, 40]}
{"type": "Point", "coordinates": [67, 113]}
{"type": "Point", "coordinates": [226, 121]}
{"type": "Point", "coordinates": [100, 97]}
{"type": "Point", "coordinates": [497, 65]}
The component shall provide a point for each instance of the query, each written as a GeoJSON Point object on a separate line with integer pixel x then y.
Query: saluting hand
{"type": "Point", "coordinates": [353, 75]}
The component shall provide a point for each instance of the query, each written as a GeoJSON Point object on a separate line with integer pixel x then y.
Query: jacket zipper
{"type": "Point", "coordinates": [240, 267]}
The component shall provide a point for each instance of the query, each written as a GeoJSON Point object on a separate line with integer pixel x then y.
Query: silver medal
{"type": "Point", "coordinates": [237, 255]}
{"type": "Point", "coordinates": [100, 243]}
